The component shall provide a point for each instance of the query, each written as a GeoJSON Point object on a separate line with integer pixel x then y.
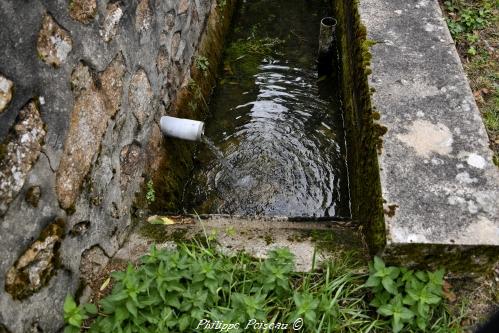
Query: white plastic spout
{"type": "Point", "coordinates": [185, 129]}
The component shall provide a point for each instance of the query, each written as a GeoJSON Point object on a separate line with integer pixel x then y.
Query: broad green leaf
{"type": "Point", "coordinates": [380, 299]}
{"type": "Point", "coordinates": [172, 300]}
{"type": "Point", "coordinates": [385, 310]}
{"type": "Point", "coordinates": [211, 285]}
{"type": "Point", "coordinates": [407, 275]}
{"type": "Point", "coordinates": [406, 314]}
{"type": "Point", "coordinates": [421, 322]}
{"type": "Point", "coordinates": [184, 322]}
{"type": "Point", "coordinates": [378, 263]}
{"type": "Point", "coordinates": [69, 304]}
{"type": "Point", "coordinates": [433, 299]}
{"type": "Point", "coordinates": [397, 325]}
{"type": "Point", "coordinates": [310, 316]}
{"type": "Point", "coordinates": [381, 273]}
{"type": "Point", "coordinates": [90, 308]}
{"type": "Point", "coordinates": [393, 272]}
{"type": "Point", "coordinates": [130, 305]}
{"type": "Point", "coordinates": [413, 294]}
{"type": "Point", "coordinates": [71, 329]}
{"type": "Point", "coordinates": [423, 309]}
{"type": "Point", "coordinates": [75, 320]}
{"type": "Point", "coordinates": [422, 276]}
{"type": "Point", "coordinates": [408, 300]}
{"type": "Point", "coordinates": [121, 314]}
{"type": "Point", "coordinates": [437, 277]}
{"type": "Point", "coordinates": [121, 295]}
{"type": "Point", "coordinates": [389, 285]}
{"type": "Point", "coordinates": [373, 281]}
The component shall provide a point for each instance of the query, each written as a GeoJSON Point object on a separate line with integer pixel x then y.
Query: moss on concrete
{"type": "Point", "coordinates": [461, 260]}
{"type": "Point", "coordinates": [161, 234]}
{"type": "Point", "coordinates": [363, 134]}
{"type": "Point", "coordinates": [36, 266]}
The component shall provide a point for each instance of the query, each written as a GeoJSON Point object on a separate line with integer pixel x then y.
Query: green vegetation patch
{"type": "Point", "coordinates": [184, 290]}
{"type": "Point", "coordinates": [406, 297]}
{"type": "Point", "coordinates": [244, 55]}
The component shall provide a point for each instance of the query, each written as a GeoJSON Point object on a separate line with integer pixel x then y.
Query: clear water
{"type": "Point", "coordinates": [277, 129]}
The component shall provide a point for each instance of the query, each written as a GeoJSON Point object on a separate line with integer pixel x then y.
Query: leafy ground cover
{"type": "Point", "coordinates": [474, 25]}
{"type": "Point", "coordinates": [194, 286]}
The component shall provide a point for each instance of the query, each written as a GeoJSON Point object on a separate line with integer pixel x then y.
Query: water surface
{"type": "Point", "coordinates": [279, 126]}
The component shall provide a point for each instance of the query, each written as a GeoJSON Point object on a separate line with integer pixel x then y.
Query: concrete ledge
{"type": "Point", "coordinates": [256, 236]}
{"type": "Point", "coordinates": [439, 185]}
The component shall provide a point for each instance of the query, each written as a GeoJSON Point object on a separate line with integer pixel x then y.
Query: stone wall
{"type": "Point", "coordinates": [83, 84]}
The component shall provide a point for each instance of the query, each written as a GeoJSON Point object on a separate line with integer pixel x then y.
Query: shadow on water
{"type": "Point", "coordinates": [278, 143]}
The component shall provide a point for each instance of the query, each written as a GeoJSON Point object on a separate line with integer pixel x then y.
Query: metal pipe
{"type": "Point", "coordinates": [326, 34]}
{"type": "Point", "coordinates": [185, 129]}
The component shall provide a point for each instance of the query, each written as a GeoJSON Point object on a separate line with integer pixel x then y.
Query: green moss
{"type": "Point", "coordinates": [363, 135]}
{"type": "Point", "coordinates": [161, 234]}
{"type": "Point", "coordinates": [462, 259]}
{"type": "Point", "coordinates": [268, 239]}
{"type": "Point", "coordinates": [22, 286]}
{"type": "Point", "coordinates": [244, 55]}
{"type": "Point", "coordinates": [495, 159]}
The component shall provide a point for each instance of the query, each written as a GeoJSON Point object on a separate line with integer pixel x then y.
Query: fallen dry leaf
{"type": "Point", "coordinates": [448, 293]}
{"type": "Point", "coordinates": [157, 219]}
{"type": "Point", "coordinates": [105, 284]}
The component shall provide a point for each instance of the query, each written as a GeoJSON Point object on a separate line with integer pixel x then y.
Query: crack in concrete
{"type": "Point", "coordinates": [48, 160]}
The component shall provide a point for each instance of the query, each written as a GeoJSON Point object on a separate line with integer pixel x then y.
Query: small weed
{"type": "Point", "coordinates": [495, 159]}
{"type": "Point", "coordinates": [221, 5]}
{"type": "Point", "coordinates": [406, 297]}
{"type": "Point", "coordinates": [151, 193]}
{"type": "Point", "coordinates": [268, 239]}
{"type": "Point", "coordinates": [74, 315]}
{"type": "Point", "coordinates": [491, 115]}
{"type": "Point", "coordinates": [203, 65]}
{"type": "Point", "coordinates": [230, 231]}
{"type": "Point", "coordinates": [465, 20]}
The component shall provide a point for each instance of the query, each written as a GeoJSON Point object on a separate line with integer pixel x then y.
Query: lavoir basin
{"type": "Point", "coordinates": [275, 138]}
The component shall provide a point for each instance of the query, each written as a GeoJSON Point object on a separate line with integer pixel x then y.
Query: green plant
{"type": "Point", "coordinates": [491, 114]}
{"type": "Point", "coordinates": [203, 65]}
{"type": "Point", "coordinates": [221, 6]}
{"type": "Point", "coordinates": [187, 288]}
{"type": "Point", "coordinates": [246, 54]}
{"type": "Point", "coordinates": [178, 290]}
{"type": "Point", "coordinates": [495, 159]}
{"type": "Point", "coordinates": [74, 315]}
{"type": "Point", "coordinates": [151, 193]}
{"type": "Point", "coordinates": [402, 294]}
{"type": "Point", "coordinates": [464, 20]}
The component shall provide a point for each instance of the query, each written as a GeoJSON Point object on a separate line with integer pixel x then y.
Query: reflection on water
{"type": "Point", "coordinates": [278, 129]}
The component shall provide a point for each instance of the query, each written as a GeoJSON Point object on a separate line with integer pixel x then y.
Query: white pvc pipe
{"type": "Point", "coordinates": [180, 128]}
